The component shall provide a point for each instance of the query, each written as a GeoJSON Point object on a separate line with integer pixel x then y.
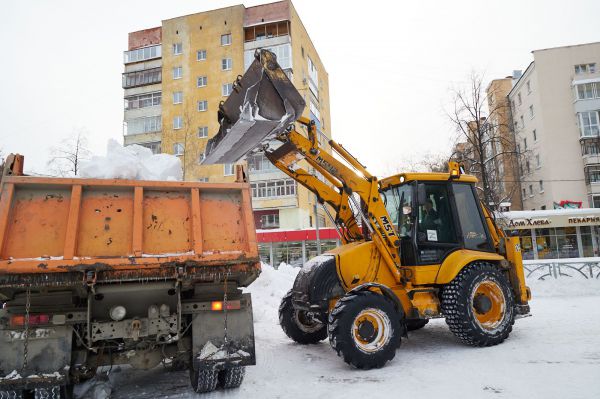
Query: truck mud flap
{"type": "Point", "coordinates": [212, 350]}
{"type": "Point", "coordinates": [262, 104]}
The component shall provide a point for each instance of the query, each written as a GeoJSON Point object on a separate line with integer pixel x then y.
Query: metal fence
{"type": "Point", "coordinates": [579, 269]}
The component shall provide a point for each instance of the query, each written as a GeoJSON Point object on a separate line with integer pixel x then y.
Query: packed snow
{"type": "Point", "coordinates": [554, 354]}
{"type": "Point", "coordinates": [133, 162]}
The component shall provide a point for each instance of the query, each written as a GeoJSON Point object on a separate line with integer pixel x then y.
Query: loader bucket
{"type": "Point", "coordinates": [262, 104]}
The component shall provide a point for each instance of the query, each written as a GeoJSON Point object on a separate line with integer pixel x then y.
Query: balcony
{"type": "Point", "coordinates": [266, 31]}
{"type": "Point", "coordinates": [142, 54]}
{"type": "Point", "coordinates": [142, 78]}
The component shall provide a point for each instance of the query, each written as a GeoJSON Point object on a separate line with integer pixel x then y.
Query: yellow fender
{"type": "Point", "coordinates": [457, 260]}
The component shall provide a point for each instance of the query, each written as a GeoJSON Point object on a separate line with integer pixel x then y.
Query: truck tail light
{"type": "Point", "coordinates": [34, 320]}
{"type": "Point", "coordinates": [231, 305]}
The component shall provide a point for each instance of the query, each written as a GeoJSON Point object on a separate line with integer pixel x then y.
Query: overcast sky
{"type": "Point", "coordinates": [390, 64]}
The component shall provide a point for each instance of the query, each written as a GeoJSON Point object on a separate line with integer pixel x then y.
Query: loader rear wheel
{"type": "Point", "coordinates": [301, 326]}
{"type": "Point", "coordinates": [364, 329]}
{"type": "Point", "coordinates": [232, 377]}
{"type": "Point", "coordinates": [416, 324]}
{"type": "Point", "coordinates": [203, 380]}
{"type": "Point", "coordinates": [479, 305]}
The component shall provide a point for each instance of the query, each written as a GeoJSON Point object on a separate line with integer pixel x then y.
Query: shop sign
{"type": "Point", "coordinates": [528, 222]}
{"type": "Point", "coordinates": [584, 219]}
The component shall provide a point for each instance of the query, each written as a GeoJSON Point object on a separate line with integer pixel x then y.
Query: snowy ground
{"type": "Point", "coordinates": [554, 354]}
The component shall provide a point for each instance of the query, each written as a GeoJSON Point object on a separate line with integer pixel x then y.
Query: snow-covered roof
{"type": "Point", "coordinates": [550, 213]}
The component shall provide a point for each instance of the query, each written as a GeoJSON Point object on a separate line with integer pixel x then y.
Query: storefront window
{"type": "Point", "coordinates": [586, 241]}
{"type": "Point", "coordinates": [526, 244]}
{"type": "Point", "coordinates": [557, 243]}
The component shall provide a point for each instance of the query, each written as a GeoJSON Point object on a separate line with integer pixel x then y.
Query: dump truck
{"type": "Point", "coordinates": [100, 272]}
{"type": "Point", "coordinates": [415, 246]}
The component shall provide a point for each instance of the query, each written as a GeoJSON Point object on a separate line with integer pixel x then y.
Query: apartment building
{"type": "Point", "coordinates": [184, 68]}
{"type": "Point", "coordinates": [504, 159]}
{"type": "Point", "coordinates": [555, 118]}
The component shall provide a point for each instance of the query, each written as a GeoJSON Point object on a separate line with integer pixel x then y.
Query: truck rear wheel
{"type": "Point", "coordinates": [203, 380]}
{"type": "Point", "coordinates": [364, 329]}
{"type": "Point", "coordinates": [300, 325]}
{"type": "Point", "coordinates": [232, 377]}
{"type": "Point", "coordinates": [479, 305]}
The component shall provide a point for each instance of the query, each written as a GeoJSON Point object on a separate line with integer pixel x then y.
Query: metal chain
{"type": "Point", "coordinates": [225, 306]}
{"type": "Point", "coordinates": [26, 332]}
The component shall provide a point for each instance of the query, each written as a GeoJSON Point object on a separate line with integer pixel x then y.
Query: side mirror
{"type": "Point", "coordinates": [421, 195]}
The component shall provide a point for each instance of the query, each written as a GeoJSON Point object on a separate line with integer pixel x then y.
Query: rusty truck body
{"type": "Point", "coordinates": [97, 272]}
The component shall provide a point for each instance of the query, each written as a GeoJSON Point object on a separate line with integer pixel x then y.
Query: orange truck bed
{"type": "Point", "coordinates": [123, 229]}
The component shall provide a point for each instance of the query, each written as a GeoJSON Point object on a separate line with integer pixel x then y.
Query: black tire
{"type": "Point", "coordinates": [415, 324]}
{"type": "Point", "coordinates": [12, 394]}
{"type": "Point", "coordinates": [299, 325]}
{"type": "Point", "coordinates": [232, 377]}
{"type": "Point", "coordinates": [467, 308]}
{"type": "Point", "coordinates": [203, 380]}
{"type": "Point", "coordinates": [381, 322]}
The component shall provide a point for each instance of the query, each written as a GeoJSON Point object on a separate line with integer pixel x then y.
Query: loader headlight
{"type": "Point", "coordinates": [117, 313]}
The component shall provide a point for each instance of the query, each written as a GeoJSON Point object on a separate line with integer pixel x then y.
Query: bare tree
{"type": "Point", "coordinates": [67, 156]}
{"type": "Point", "coordinates": [192, 148]}
{"type": "Point", "coordinates": [485, 140]}
{"type": "Point", "coordinates": [426, 162]}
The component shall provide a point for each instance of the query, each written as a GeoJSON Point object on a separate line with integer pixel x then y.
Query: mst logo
{"type": "Point", "coordinates": [387, 226]}
{"type": "Point", "coordinates": [327, 166]}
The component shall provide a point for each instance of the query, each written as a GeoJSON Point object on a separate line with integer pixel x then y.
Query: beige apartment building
{"type": "Point", "coordinates": [555, 116]}
{"type": "Point", "coordinates": [177, 74]}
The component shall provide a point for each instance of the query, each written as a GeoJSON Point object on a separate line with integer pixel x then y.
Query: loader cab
{"type": "Point", "coordinates": [436, 216]}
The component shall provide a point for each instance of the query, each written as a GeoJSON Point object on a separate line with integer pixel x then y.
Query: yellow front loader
{"type": "Point", "coordinates": [416, 246]}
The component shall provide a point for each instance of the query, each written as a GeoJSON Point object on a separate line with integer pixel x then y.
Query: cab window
{"type": "Point", "coordinates": [471, 223]}
{"type": "Point", "coordinates": [435, 224]}
{"type": "Point", "coordinates": [398, 203]}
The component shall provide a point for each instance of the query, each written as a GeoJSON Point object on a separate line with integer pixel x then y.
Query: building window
{"type": "Point", "coordinates": [270, 221]}
{"type": "Point", "coordinates": [585, 68]}
{"type": "Point", "coordinates": [534, 135]}
{"type": "Point", "coordinates": [226, 89]}
{"type": "Point", "coordinates": [202, 179]}
{"type": "Point", "coordinates": [516, 126]}
{"type": "Point", "coordinates": [143, 100]}
{"type": "Point", "coordinates": [178, 122]}
{"type": "Point", "coordinates": [519, 98]}
{"type": "Point", "coordinates": [596, 201]}
{"type": "Point", "coordinates": [203, 132]}
{"type": "Point", "coordinates": [313, 78]}
{"type": "Point", "coordinates": [143, 125]}
{"type": "Point", "coordinates": [524, 194]}
{"type": "Point", "coordinates": [528, 87]}
{"type": "Point", "coordinates": [142, 78]}
{"type": "Point", "coordinates": [177, 48]}
{"type": "Point", "coordinates": [153, 146]}
{"type": "Point", "coordinates": [177, 97]}
{"type": "Point", "coordinates": [200, 55]}
{"type": "Point", "coordinates": [586, 91]}
{"type": "Point", "coordinates": [202, 105]}
{"type": "Point", "coordinates": [259, 163]}
{"type": "Point", "coordinates": [226, 64]}
{"type": "Point", "coordinates": [531, 190]}
{"type": "Point", "coordinates": [226, 39]}
{"type": "Point", "coordinates": [531, 111]}
{"type": "Point", "coordinates": [178, 149]}
{"type": "Point", "coordinates": [177, 72]}
{"type": "Point", "coordinates": [592, 174]}
{"type": "Point", "coordinates": [228, 169]}
{"type": "Point", "coordinates": [522, 122]}
{"type": "Point", "coordinates": [588, 148]}
{"type": "Point", "coordinates": [527, 168]}
{"type": "Point", "coordinates": [537, 161]}
{"type": "Point", "coordinates": [525, 143]}
{"type": "Point", "coordinates": [541, 186]}
{"type": "Point", "coordinates": [588, 124]}
{"type": "Point", "coordinates": [142, 54]}
{"type": "Point", "coordinates": [273, 188]}
{"type": "Point", "coordinates": [202, 81]}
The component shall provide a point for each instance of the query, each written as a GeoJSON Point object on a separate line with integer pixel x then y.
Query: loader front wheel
{"type": "Point", "coordinates": [364, 329]}
{"type": "Point", "coordinates": [301, 326]}
{"type": "Point", "coordinates": [479, 305]}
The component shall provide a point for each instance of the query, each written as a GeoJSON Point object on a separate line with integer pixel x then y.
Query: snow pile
{"type": "Point", "coordinates": [268, 289]}
{"type": "Point", "coordinates": [564, 286]}
{"type": "Point", "coordinates": [133, 162]}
